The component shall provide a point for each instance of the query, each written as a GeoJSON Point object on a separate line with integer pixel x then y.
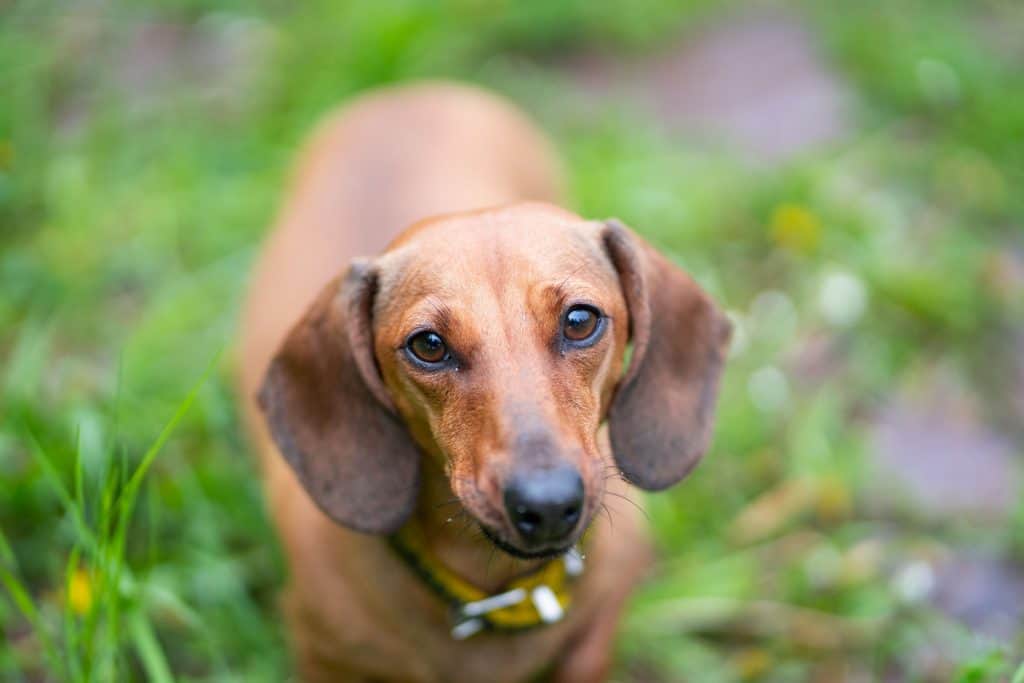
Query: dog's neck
{"type": "Point", "coordinates": [455, 539]}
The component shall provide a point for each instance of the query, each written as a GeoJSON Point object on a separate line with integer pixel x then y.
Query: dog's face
{"type": "Point", "coordinates": [501, 354]}
{"type": "Point", "coordinates": [492, 343]}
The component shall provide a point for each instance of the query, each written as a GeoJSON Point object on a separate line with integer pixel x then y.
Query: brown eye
{"type": "Point", "coordinates": [428, 347]}
{"type": "Point", "coordinates": [580, 323]}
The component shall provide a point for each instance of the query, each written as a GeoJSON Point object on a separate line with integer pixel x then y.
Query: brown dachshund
{"type": "Point", "coordinates": [441, 425]}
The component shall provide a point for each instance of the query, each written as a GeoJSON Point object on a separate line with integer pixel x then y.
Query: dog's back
{"type": "Point", "coordinates": [371, 169]}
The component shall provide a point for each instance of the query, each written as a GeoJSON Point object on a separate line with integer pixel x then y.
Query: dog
{"type": "Point", "coordinates": [442, 428]}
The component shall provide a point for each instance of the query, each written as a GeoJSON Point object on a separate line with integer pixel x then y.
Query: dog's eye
{"type": "Point", "coordinates": [580, 323]}
{"type": "Point", "coordinates": [428, 347]}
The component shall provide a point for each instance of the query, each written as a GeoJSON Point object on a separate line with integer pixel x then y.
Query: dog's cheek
{"type": "Point", "coordinates": [415, 407]}
{"type": "Point", "coordinates": [579, 389]}
{"type": "Point", "coordinates": [596, 384]}
{"type": "Point", "coordinates": [475, 501]}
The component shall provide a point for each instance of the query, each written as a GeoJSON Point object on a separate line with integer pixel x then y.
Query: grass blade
{"type": "Point", "coordinates": [148, 648]}
{"type": "Point", "coordinates": [22, 599]}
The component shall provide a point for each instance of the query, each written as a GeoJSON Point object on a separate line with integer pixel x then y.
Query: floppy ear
{"type": "Point", "coordinates": [331, 416]}
{"type": "Point", "coordinates": [660, 420]}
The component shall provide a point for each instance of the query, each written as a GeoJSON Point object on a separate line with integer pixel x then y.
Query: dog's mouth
{"type": "Point", "coordinates": [544, 553]}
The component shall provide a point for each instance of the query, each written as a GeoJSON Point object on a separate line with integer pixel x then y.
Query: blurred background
{"type": "Point", "coordinates": [845, 177]}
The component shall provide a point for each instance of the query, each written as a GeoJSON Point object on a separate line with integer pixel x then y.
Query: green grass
{"type": "Point", "coordinates": [101, 600]}
{"type": "Point", "coordinates": [129, 214]}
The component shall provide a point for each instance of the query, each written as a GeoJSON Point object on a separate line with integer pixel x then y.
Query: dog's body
{"type": "Point", "coordinates": [355, 610]}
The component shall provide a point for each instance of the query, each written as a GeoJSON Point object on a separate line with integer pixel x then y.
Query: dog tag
{"type": "Point", "coordinates": [546, 602]}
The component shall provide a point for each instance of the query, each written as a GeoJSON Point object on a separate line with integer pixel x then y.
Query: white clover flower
{"type": "Point", "coordinates": [842, 299]}
{"type": "Point", "coordinates": [769, 389]}
{"type": "Point", "coordinates": [914, 582]}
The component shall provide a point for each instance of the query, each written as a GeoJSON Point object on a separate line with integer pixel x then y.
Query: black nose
{"type": "Point", "coordinates": [545, 505]}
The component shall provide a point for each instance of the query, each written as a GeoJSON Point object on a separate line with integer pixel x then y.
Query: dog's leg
{"type": "Point", "coordinates": [312, 657]}
{"type": "Point", "coordinates": [588, 658]}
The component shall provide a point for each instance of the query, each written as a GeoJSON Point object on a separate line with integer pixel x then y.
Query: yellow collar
{"type": "Point", "coordinates": [538, 598]}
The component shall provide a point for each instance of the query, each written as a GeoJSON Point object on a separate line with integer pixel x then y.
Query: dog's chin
{"type": "Point", "coordinates": [524, 553]}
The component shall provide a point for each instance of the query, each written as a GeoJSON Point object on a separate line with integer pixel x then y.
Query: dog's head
{"type": "Point", "coordinates": [492, 345]}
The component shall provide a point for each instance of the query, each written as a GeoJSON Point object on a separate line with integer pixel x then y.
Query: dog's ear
{"type": "Point", "coordinates": [661, 418]}
{"type": "Point", "coordinates": [331, 416]}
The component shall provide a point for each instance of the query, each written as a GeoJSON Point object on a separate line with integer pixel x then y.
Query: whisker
{"type": "Point", "coordinates": [479, 534]}
{"type": "Point", "coordinates": [467, 525]}
{"type": "Point", "coordinates": [490, 558]}
{"type": "Point", "coordinates": [631, 502]}
{"type": "Point", "coordinates": [608, 514]}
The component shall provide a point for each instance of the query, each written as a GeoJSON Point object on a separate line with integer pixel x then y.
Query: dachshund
{"type": "Point", "coordinates": [450, 432]}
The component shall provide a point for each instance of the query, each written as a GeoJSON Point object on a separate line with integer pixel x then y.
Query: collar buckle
{"type": "Point", "coordinates": [469, 617]}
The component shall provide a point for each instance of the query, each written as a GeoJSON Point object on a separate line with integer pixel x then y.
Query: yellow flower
{"type": "Point", "coordinates": [80, 592]}
{"type": "Point", "coordinates": [796, 228]}
{"type": "Point", "coordinates": [834, 501]}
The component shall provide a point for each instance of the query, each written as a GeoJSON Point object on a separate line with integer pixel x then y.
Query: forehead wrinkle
{"type": "Point", "coordinates": [431, 311]}
{"type": "Point", "coordinates": [575, 289]}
